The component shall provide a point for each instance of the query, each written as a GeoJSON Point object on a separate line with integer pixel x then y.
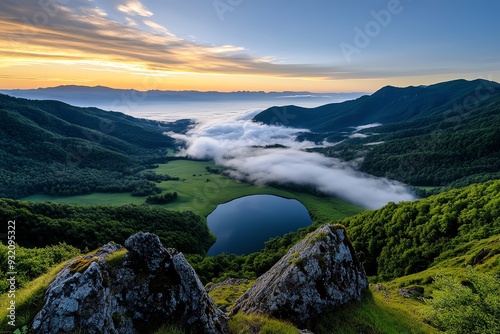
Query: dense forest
{"type": "Point", "coordinates": [89, 227]}
{"type": "Point", "coordinates": [53, 148]}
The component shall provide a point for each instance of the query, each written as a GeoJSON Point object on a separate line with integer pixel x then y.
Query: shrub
{"type": "Point", "coordinates": [470, 306]}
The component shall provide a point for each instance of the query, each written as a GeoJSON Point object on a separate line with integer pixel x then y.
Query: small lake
{"type": "Point", "coordinates": [243, 225]}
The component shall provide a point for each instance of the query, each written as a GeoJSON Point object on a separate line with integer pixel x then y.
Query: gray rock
{"type": "Point", "coordinates": [152, 286]}
{"type": "Point", "coordinates": [412, 292]}
{"type": "Point", "coordinates": [319, 272]}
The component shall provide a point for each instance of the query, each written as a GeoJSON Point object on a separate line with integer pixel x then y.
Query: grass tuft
{"type": "Point", "coordinates": [226, 296]}
{"type": "Point", "coordinates": [169, 329]}
{"type": "Point", "coordinates": [244, 324]}
{"type": "Point", "coordinates": [115, 259]}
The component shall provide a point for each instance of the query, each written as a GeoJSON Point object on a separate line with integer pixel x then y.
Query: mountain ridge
{"type": "Point", "coordinates": [366, 109]}
{"type": "Point", "coordinates": [423, 136]}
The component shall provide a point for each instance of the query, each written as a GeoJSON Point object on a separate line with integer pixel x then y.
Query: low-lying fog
{"type": "Point", "coordinates": [226, 134]}
{"type": "Point", "coordinates": [238, 144]}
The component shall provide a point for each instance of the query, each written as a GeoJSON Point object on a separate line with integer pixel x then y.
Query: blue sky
{"type": "Point", "coordinates": [225, 45]}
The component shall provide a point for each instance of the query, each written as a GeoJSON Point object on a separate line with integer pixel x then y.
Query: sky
{"type": "Point", "coordinates": [230, 45]}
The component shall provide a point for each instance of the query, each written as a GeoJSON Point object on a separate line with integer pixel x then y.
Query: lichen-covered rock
{"type": "Point", "coordinates": [152, 286]}
{"type": "Point", "coordinates": [321, 271]}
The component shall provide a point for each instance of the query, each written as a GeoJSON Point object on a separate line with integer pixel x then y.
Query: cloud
{"type": "Point", "coordinates": [63, 29]}
{"type": "Point", "coordinates": [239, 145]}
{"type": "Point", "coordinates": [134, 7]}
{"type": "Point", "coordinates": [158, 28]}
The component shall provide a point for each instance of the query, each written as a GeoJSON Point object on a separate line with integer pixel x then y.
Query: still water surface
{"type": "Point", "coordinates": [243, 225]}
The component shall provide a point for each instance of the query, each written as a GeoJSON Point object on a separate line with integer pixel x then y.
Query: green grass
{"type": "Point", "coordinates": [243, 324]}
{"type": "Point", "coordinates": [29, 300]}
{"type": "Point", "coordinates": [201, 192]}
{"type": "Point", "coordinates": [115, 259]}
{"type": "Point", "coordinates": [464, 254]}
{"type": "Point", "coordinates": [89, 199]}
{"type": "Point", "coordinates": [227, 295]}
{"type": "Point", "coordinates": [453, 263]}
{"type": "Point", "coordinates": [169, 329]}
{"type": "Point", "coordinates": [375, 313]}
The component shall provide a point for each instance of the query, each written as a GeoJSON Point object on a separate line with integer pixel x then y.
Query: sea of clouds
{"type": "Point", "coordinates": [239, 145]}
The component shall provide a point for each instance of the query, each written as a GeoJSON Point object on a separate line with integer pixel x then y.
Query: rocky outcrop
{"type": "Point", "coordinates": [109, 292]}
{"type": "Point", "coordinates": [321, 271]}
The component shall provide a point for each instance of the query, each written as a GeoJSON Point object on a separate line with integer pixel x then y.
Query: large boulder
{"type": "Point", "coordinates": [150, 286]}
{"type": "Point", "coordinates": [319, 272]}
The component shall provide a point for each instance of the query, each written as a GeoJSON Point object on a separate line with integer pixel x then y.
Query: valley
{"type": "Point", "coordinates": [201, 191]}
{"type": "Point", "coordinates": [88, 176]}
{"type": "Point", "coordinates": [249, 167]}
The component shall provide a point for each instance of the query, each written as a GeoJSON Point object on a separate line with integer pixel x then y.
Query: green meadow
{"type": "Point", "coordinates": [201, 191]}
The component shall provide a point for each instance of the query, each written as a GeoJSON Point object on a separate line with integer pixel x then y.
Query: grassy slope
{"type": "Point", "coordinates": [375, 313]}
{"type": "Point", "coordinates": [384, 310]}
{"type": "Point", "coordinates": [202, 197]}
{"type": "Point", "coordinates": [29, 300]}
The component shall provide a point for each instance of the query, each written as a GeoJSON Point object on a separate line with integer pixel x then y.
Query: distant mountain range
{"type": "Point", "coordinates": [435, 135]}
{"type": "Point", "coordinates": [105, 96]}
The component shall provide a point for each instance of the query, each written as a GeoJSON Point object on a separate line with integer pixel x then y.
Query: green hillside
{"type": "Point", "coordinates": [387, 105]}
{"type": "Point", "coordinates": [402, 239]}
{"type": "Point", "coordinates": [441, 135]}
{"type": "Point", "coordinates": [455, 149]}
{"type": "Point", "coordinates": [54, 148]}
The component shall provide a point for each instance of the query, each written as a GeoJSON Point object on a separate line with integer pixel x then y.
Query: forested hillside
{"type": "Point", "coordinates": [455, 149]}
{"type": "Point", "coordinates": [405, 238]}
{"type": "Point", "coordinates": [89, 227]}
{"type": "Point", "coordinates": [440, 135]}
{"type": "Point", "coordinates": [55, 148]}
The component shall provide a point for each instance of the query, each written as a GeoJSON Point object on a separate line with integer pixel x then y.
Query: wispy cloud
{"type": "Point", "coordinates": [158, 28]}
{"type": "Point", "coordinates": [134, 7]}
